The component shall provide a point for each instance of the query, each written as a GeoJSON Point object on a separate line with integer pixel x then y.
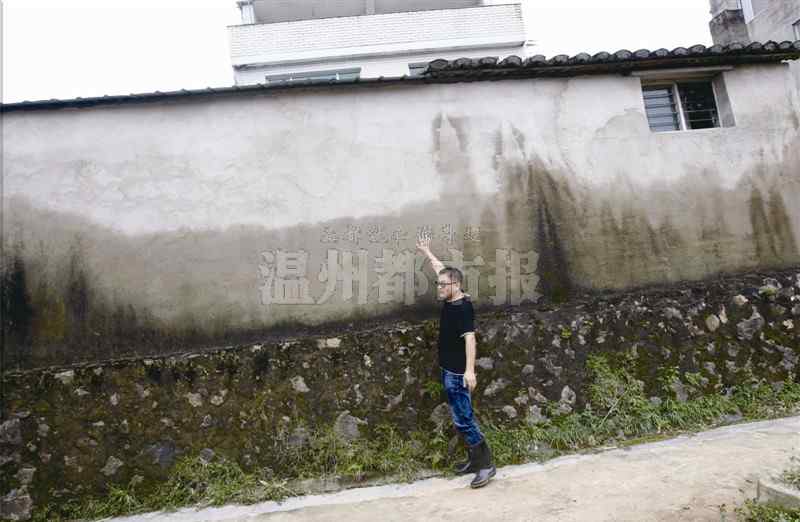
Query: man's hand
{"type": "Point", "coordinates": [470, 381]}
{"type": "Point", "coordinates": [424, 246]}
{"type": "Point", "coordinates": [424, 243]}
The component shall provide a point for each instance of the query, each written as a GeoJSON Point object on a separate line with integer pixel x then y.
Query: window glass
{"type": "Point", "coordinates": [662, 113]}
{"type": "Point", "coordinates": [416, 69]}
{"type": "Point", "coordinates": [699, 106]}
{"type": "Point", "coordinates": [340, 75]}
{"type": "Point", "coordinates": [406, 6]}
{"type": "Point", "coordinates": [681, 106]}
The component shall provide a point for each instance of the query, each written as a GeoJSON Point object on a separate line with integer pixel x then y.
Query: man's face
{"type": "Point", "coordinates": [446, 288]}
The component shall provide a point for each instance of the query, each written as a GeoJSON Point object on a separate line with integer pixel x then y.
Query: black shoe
{"type": "Point", "coordinates": [469, 466]}
{"type": "Point", "coordinates": [482, 477]}
{"type": "Point", "coordinates": [486, 469]}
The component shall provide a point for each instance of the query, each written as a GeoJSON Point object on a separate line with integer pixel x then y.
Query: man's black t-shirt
{"type": "Point", "coordinates": [457, 319]}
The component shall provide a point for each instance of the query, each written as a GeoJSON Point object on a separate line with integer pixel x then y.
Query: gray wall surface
{"type": "Point", "coordinates": [728, 27]}
{"type": "Point", "coordinates": [773, 20]}
{"type": "Point", "coordinates": [240, 211]}
{"type": "Point", "coordinates": [272, 11]}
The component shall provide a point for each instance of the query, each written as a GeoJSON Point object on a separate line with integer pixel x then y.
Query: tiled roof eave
{"type": "Point", "coordinates": [609, 67]}
{"type": "Point", "coordinates": [481, 69]}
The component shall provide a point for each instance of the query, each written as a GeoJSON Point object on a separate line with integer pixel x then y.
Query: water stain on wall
{"type": "Point", "coordinates": [452, 157]}
{"type": "Point", "coordinates": [607, 237]}
{"type": "Point", "coordinates": [101, 290]}
{"type": "Point", "coordinates": [773, 236]}
{"type": "Point", "coordinates": [555, 211]}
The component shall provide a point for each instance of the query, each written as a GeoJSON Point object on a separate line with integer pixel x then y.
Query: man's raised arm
{"type": "Point", "coordinates": [424, 246]}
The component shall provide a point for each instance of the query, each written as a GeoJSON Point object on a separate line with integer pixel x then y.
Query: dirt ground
{"type": "Point", "coordinates": [681, 479]}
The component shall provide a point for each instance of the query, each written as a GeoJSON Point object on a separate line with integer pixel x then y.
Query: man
{"type": "Point", "coordinates": [457, 363]}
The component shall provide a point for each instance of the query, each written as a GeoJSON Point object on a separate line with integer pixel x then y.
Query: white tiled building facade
{"type": "Point", "coordinates": [281, 40]}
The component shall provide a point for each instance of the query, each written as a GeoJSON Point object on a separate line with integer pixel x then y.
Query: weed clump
{"type": "Point", "coordinates": [617, 412]}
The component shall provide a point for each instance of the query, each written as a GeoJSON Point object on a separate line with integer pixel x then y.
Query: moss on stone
{"type": "Point", "coordinates": [615, 344]}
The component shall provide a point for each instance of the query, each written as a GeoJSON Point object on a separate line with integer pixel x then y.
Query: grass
{"type": "Point", "coordinates": [792, 475]}
{"type": "Point", "coordinates": [751, 511]}
{"type": "Point", "coordinates": [193, 482]}
{"type": "Point", "coordinates": [387, 452]}
{"type": "Point", "coordinates": [618, 412]}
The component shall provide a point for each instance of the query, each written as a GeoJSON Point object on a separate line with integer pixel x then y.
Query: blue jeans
{"type": "Point", "coordinates": [461, 406]}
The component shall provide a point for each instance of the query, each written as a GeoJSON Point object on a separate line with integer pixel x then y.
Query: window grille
{"type": "Point", "coordinates": [681, 106]}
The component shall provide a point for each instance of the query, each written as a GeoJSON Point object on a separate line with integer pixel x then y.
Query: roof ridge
{"type": "Point", "coordinates": [483, 68]}
{"type": "Point", "coordinates": [539, 60]}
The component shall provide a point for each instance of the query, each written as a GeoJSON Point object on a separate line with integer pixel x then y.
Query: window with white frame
{"type": "Point", "coordinates": [683, 105]}
{"type": "Point", "coordinates": [332, 75]}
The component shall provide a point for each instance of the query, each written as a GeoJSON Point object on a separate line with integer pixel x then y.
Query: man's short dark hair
{"type": "Point", "coordinates": [454, 273]}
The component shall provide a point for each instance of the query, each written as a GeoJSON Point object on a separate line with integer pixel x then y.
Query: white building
{"type": "Point", "coordinates": [755, 20]}
{"type": "Point", "coordinates": [285, 40]}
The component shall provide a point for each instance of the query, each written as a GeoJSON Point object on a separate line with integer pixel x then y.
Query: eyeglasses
{"type": "Point", "coordinates": [444, 284]}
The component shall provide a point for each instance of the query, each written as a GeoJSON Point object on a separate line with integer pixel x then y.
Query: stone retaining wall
{"type": "Point", "coordinates": [71, 431]}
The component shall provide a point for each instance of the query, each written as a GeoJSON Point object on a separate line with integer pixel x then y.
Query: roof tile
{"type": "Point", "coordinates": [489, 67]}
{"type": "Point", "coordinates": [581, 58]}
{"type": "Point", "coordinates": [511, 61]}
{"type": "Point", "coordinates": [536, 61]}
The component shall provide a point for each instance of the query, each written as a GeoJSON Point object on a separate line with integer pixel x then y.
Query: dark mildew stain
{"type": "Point", "coordinates": [552, 267]}
{"type": "Point", "coordinates": [554, 232]}
{"type": "Point", "coordinates": [762, 235]}
{"type": "Point", "coordinates": [784, 241]}
{"type": "Point", "coordinates": [546, 208]}
{"type": "Point", "coordinates": [773, 234]}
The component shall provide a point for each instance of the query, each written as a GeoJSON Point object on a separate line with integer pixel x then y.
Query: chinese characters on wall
{"type": "Point", "coordinates": [347, 274]}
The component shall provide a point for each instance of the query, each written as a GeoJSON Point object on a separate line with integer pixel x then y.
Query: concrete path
{"type": "Point", "coordinates": [681, 479]}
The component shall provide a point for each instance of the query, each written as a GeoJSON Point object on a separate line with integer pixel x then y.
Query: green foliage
{"type": "Point", "coordinates": [117, 502]}
{"type": "Point", "coordinates": [751, 511]}
{"type": "Point", "coordinates": [767, 291]}
{"type": "Point", "coordinates": [760, 401]}
{"type": "Point", "coordinates": [386, 452]}
{"type": "Point", "coordinates": [694, 379]}
{"type": "Point", "coordinates": [792, 475]}
{"type": "Point", "coordinates": [192, 482]}
{"type": "Point", "coordinates": [434, 389]}
{"type": "Point", "coordinates": [621, 396]}
{"type": "Point", "coordinates": [666, 376]}
{"type": "Point", "coordinates": [512, 446]}
{"type": "Point", "coordinates": [196, 482]}
{"type": "Point", "coordinates": [617, 411]}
